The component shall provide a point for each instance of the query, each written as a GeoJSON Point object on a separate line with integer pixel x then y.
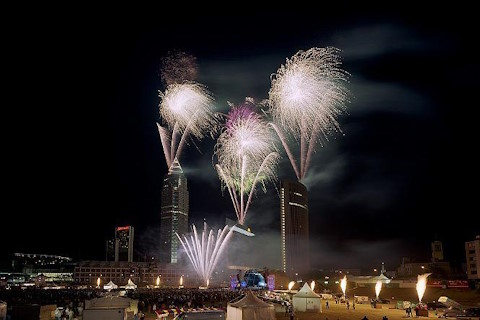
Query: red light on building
{"type": "Point", "coordinates": [123, 228]}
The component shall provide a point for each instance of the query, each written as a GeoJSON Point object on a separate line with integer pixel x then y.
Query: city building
{"type": "Point", "coordinates": [472, 252]}
{"type": "Point", "coordinates": [439, 269]}
{"type": "Point", "coordinates": [141, 273]}
{"type": "Point", "coordinates": [35, 261]}
{"type": "Point", "coordinates": [48, 268]}
{"type": "Point", "coordinates": [437, 251]}
{"type": "Point", "coordinates": [110, 250]}
{"type": "Point", "coordinates": [294, 228]}
{"type": "Point", "coordinates": [174, 212]}
{"type": "Point", "coordinates": [124, 243]}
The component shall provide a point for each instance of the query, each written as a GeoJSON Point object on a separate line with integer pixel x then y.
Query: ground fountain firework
{"type": "Point", "coordinates": [204, 251]}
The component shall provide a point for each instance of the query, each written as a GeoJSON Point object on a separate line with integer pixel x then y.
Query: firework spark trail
{"type": "Point", "coordinates": [307, 95]}
{"type": "Point", "coordinates": [164, 138]}
{"type": "Point", "coordinates": [378, 288]}
{"type": "Point", "coordinates": [246, 156]}
{"type": "Point", "coordinates": [287, 148]}
{"type": "Point", "coordinates": [204, 252]}
{"type": "Point", "coordinates": [421, 285]}
{"type": "Point", "coordinates": [187, 110]}
{"type": "Point", "coordinates": [343, 284]}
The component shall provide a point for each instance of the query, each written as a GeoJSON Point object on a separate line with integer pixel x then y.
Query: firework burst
{"type": "Point", "coordinates": [308, 93]}
{"type": "Point", "coordinates": [187, 110]}
{"type": "Point", "coordinates": [246, 156]}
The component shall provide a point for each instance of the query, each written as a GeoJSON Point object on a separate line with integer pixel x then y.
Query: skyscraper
{"type": "Point", "coordinates": [437, 251]}
{"type": "Point", "coordinates": [294, 228]}
{"type": "Point", "coordinates": [472, 252]}
{"type": "Point", "coordinates": [174, 212]}
{"type": "Point", "coordinates": [124, 243]}
{"type": "Point", "coordinates": [110, 250]}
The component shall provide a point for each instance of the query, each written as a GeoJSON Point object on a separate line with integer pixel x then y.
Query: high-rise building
{"type": "Point", "coordinates": [174, 212]}
{"type": "Point", "coordinates": [110, 250]}
{"type": "Point", "coordinates": [437, 251]}
{"type": "Point", "coordinates": [294, 228]}
{"type": "Point", "coordinates": [124, 243]}
{"type": "Point", "coordinates": [472, 251]}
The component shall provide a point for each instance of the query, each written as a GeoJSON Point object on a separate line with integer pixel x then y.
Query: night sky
{"type": "Point", "coordinates": [81, 152]}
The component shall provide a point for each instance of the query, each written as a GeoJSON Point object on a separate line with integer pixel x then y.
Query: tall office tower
{"type": "Point", "coordinates": [110, 250]}
{"type": "Point", "coordinates": [294, 228]}
{"type": "Point", "coordinates": [124, 243]}
{"type": "Point", "coordinates": [174, 212]}
{"type": "Point", "coordinates": [437, 251]}
{"type": "Point", "coordinates": [472, 252]}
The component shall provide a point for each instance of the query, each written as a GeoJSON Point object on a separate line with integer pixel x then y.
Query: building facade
{"type": "Point", "coordinates": [110, 250]}
{"type": "Point", "coordinates": [294, 228]}
{"type": "Point", "coordinates": [174, 212]}
{"type": "Point", "coordinates": [124, 243]}
{"type": "Point", "coordinates": [437, 251]}
{"type": "Point", "coordinates": [21, 261]}
{"type": "Point", "coordinates": [472, 252]}
{"type": "Point", "coordinates": [141, 273]}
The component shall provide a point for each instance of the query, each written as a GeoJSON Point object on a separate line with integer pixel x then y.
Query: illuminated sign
{"type": "Point", "coordinates": [271, 282]}
{"type": "Point", "coordinates": [123, 228]}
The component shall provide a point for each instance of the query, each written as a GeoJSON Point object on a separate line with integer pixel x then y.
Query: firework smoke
{"type": "Point", "coordinates": [187, 110]}
{"type": "Point", "coordinates": [178, 67]}
{"type": "Point", "coordinates": [204, 252]}
{"type": "Point", "coordinates": [246, 156]}
{"type": "Point", "coordinates": [307, 95]}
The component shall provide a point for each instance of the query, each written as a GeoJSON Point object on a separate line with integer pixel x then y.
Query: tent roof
{"type": "Point", "coordinates": [306, 292]}
{"type": "Point", "coordinates": [250, 301]}
{"type": "Point", "coordinates": [381, 277]}
{"type": "Point", "coordinates": [111, 283]}
{"type": "Point", "coordinates": [130, 283]}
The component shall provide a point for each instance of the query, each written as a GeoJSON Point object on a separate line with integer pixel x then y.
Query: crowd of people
{"type": "Point", "coordinates": [151, 300]}
{"type": "Point", "coordinates": [70, 301]}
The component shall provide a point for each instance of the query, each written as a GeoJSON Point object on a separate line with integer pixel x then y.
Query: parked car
{"type": "Point", "coordinates": [452, 313]}
{"type": "Point", "coordinates": [434, 305]}
{"type": "Point", "coordinates": [202, 315]}
{"type": "Point", "coordinates": [470, 313]}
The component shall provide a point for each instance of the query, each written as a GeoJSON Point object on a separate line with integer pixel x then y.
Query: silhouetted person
{"type": "Point", "coordinates": [364, 318]}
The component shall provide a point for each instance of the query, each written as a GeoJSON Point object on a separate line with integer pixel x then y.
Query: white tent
{"type": "Point", "coordinates": [3, 310]}
{"type": "Point", "coordinates": [130, 285]}
{"type": "Point", "coordinates": [307, 300]}
{"type": "Point", "coordinates": [250, 307]}
{"type": "Point", "coordinates": [110, 286]}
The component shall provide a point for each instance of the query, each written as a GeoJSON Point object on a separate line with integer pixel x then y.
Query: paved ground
{"type": "Point", "coordinates": [340, 312]}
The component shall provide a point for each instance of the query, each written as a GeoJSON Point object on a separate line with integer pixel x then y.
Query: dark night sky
{"type": "Point", "coordinates": [82, 153]}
